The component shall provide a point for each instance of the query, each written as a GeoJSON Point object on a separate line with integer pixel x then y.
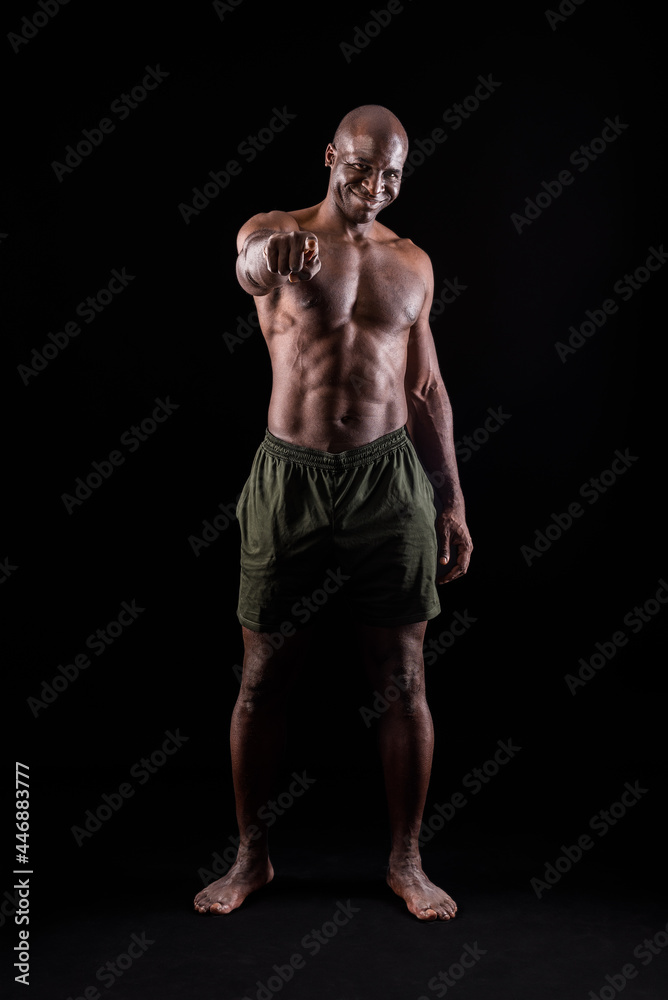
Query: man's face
{"type": "Point", "coordinates": [366, 174]}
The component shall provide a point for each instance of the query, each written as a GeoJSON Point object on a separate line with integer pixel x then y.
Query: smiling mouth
{"type": "Point", "coordinates": [368, 201]}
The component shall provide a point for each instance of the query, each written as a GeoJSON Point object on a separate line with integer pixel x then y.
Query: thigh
{"type": "Point", "coordinates": [283, 514]}
{"type": "Point", "coordinates": [270, 669]}
{"type": "Point", "coordinates": [387, 536]}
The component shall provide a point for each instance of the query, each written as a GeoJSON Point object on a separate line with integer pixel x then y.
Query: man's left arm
{"type": "Point", "coordinates": [430, 426]}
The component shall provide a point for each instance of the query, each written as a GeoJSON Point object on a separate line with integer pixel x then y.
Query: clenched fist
{"type": "Point", "coordinates": [294, 254]}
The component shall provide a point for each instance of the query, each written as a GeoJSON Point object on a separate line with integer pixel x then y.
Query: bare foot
{"type": "Point", "coordinates": [423, 898]}
{"type": "Point", "coordinates": [229, 892]}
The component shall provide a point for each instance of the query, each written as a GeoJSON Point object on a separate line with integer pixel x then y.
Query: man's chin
{"type": "Point", "coordinates": [364, 209]}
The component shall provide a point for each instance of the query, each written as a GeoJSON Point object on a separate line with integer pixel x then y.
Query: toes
{"type": "Point", "coordinates": [204, 906]}
{"type": "Point", "coordinates": [444, 910]}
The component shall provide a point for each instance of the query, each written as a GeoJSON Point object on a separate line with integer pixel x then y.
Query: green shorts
{"type": "Point", "coordinates": [314, 523]}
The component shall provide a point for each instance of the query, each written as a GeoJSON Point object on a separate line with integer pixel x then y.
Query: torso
{"type": "Point", "coordinates": [338, 342]}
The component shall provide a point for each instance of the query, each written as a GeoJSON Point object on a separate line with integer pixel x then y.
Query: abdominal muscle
{"type": "Point", "coordinates": [338, 390]}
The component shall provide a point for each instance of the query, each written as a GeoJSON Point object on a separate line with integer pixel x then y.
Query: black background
{"type": "Point", "coordinates": [164, 337]}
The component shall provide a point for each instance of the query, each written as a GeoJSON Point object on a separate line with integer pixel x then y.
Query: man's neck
{"type": "Point", "coordinates": [330, 218]}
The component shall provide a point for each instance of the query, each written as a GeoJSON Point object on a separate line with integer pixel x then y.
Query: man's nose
{"type": "Point", "coordinates": [374, 183]}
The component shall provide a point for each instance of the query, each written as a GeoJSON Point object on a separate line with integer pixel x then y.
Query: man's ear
{"type": "Point", "coordinates": [330, 154]}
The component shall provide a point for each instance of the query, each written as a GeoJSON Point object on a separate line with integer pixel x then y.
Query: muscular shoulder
{"type": "Point", "coordinates": [283, 222]}
{"type": "Point", "coordinates": [402, 244]}
{"type": "Point", "coordinates": [421, 259]}
{"type": "Point", "coordinates": [415, 258]}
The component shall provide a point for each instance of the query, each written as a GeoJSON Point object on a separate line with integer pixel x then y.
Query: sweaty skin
{"type": "Point", "coordinates": [343, 304]}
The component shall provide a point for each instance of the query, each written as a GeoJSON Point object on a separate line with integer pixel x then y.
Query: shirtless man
{"type": "Point", "coordinates": [344, 305]}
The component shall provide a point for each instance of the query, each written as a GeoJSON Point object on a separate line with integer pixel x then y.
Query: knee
{"type": "Point", "coordinates": [260, 699]}
{"type": "Point", "coordinates": [410, 682]}
{"type": "Point", "coordinates": [259, 689]}
{"type": "Point", "coordinates": [263, 682]}
{"type": "Point", "coordinates": [403, 688]}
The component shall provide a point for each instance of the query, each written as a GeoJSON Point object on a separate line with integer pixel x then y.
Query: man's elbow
{"type": "Point", "coordinates": [245, 280]}
{"type": "Point", "coordinates": [421, 392]}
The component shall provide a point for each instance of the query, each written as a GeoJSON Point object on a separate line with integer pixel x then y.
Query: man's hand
{"type": "Point", "coordinates": [452, 534]}
{"type": "Point", "coordinates": [294, 254]}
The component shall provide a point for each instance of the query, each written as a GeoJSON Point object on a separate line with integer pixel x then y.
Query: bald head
{"type": "Point", "coordinates": [372, 120]}
{"type": "Point", "coordinates": [366, 160]}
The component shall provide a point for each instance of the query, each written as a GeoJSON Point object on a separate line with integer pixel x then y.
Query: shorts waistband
{"type": "Point", "coordinates": [335, 461]}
